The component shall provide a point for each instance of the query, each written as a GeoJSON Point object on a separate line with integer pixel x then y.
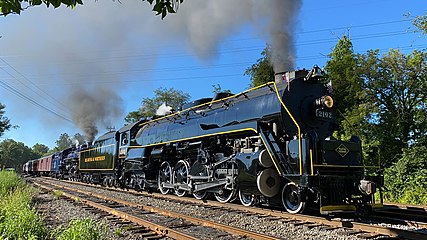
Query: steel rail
{"type": "Point", "coordinates": [405, 206]}
{"type": "Point", "coordinates": [161, 230]}
{"type": "Point", "coordinates": [194, 220]}
{"type": "Point", "coordinates": [363, 227]}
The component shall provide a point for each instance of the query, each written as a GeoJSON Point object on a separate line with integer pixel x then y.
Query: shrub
{"type": "Point", "coordinates": [81, 229]}
{"type": "Point", "coordinates": [406, 180]}
{"type": "Point", "coordinates": [18, 220]}
{"type": "Point", "coordinates": [9, 181]}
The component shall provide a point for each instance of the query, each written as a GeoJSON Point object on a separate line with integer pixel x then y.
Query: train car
{"type": "Point", "coordinates": [44, 165]}
{"type": "Point", "coordinates": [56, 163]}
{"type": "Point", "coordinates": [131, 159]}
{"type": "Point", "coordinates": [34, 167]}
{"type": "Point", "coordinates": [27, 167]}
{"type": "Point", "coordinates": [272, 143]}
{"type": "Point", "coordinates": [98, 161]}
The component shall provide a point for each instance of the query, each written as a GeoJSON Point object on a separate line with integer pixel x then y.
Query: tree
{"type": "Point", "coordinates": [40, 149]}
{"type": "Point", "coordinates": [262, 71]}
{"type": "Point", "coordinates": [78, 138]}
{"type": "Point", "coordinates": [15, 154]}
{"type": "Point", "coordinates": [218, 89]}
{"type": "Point", "coordinates": [396, 86]}
{"type": "Point", "coordinates": [341, 70]}
{"type": "Point", "coordinates": [4, 121]}
{"type": "Point", "coordinates": [64, 141]}
{"type": "Point", "coordinates": [171, 97]}
{"type": "Point", "coordinates": [162, 7]}
{"type": "Point", "coordinates": [420, 22]}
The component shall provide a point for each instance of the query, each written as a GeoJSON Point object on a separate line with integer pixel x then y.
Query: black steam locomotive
{"type": "Point", "coordinates": [270, 144]}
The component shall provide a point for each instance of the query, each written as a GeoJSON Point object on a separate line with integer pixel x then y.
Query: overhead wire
{"type": "Point", "coordinates": [190, 68]}
{"type": "Point", "coordinates": [52, 100]}
{"type": "Point", "coordinates": [29, 99]}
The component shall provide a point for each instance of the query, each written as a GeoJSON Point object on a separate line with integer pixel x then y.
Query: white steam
{"type": "Point", "coordinates": [163, 110]}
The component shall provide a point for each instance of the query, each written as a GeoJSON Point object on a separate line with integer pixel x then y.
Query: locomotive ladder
{"type": "Point", "coordinates": [279, 159]}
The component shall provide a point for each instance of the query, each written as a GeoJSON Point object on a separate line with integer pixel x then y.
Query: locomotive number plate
{"type": "Point", "coordinates": [324, 114]}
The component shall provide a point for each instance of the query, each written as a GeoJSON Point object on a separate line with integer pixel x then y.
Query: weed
{"type": "Point", "coordinates": [57, 194]}
{"type": "Point", "coordinates": [81, 229]}
{"type": "Point", "coordinates": [9, 181]}
{"type": "Point", "coordinates": [18, 220]}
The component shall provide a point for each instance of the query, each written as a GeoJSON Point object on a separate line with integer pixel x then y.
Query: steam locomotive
{"type": "Point", "coordinates": [271, 144]}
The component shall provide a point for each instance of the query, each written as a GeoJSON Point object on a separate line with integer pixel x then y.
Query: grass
{"type": "Point", "coordinates": [81, 229]}
{"type": "Point", "coordinates": [9, 181]}
{"type": "Point", "coordinates": [57, 194]}
{"type": "Point", "coordinates": [18, 219]}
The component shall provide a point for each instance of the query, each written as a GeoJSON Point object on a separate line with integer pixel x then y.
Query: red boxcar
{"type": "Point", "coordinates": [45, 165]}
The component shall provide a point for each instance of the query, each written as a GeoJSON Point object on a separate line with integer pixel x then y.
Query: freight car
{"type": "Point", "coordinates": [270, 144]}
{"type": "Point", "coordinates": [44, 166]}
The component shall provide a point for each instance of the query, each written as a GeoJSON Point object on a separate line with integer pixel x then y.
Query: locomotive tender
{"type": "Point", "coordinates": [270, 144]}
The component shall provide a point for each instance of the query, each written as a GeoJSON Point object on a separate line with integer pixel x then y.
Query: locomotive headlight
{"type": "Point", "coordinates": [328, 102]}
{"type": "Point", "coordinates": [324, 101]}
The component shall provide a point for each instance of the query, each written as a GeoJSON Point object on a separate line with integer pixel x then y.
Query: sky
{"type": "Point", "coordinates": [62, 70]}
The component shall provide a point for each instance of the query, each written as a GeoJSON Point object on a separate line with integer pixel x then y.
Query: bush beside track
{"type": "Point", "coordinates": [19, 218]}
{"type": "Point", "coordinates": [406, 180]}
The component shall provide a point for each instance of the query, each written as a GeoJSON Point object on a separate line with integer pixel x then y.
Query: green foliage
{"type": "Point", "coordinates": [341, 70]}
{"type": "Point", "coordinates": [40, 149]}
{"type": "Point", "coordinates": [81, 229]}
{"type": "Point", "coordinates": [406, 180]}
{"type": "Point", "coordinates": [382, 99]}
{"type": "Point", "coordinates": [4, 121]}
{"type": "Point", "coordinates": [395, 85]}
{"type": "Point", "coordinates": [171, 97]}
{"type": "Point", "coordinates": [57, 193]}
{"type": "Point", "coordinates": [65, 141]}
{"type": "Point", "coordinates": [217, 89]}
{"type": "Point", "coordinates": [15, 154]}
{"type": "Point", "coordinates": [262, 71]}
{"type": "Point", "coordinates": [165, 6]}
{"type": "Point", "coordinates": [162, 7]}
{"type": "Point", "coordinates": [420, 22]}
{"type": "Point", "coordinates": [18, 220]}
{"type": "Point", "coordinates": [9, 181]}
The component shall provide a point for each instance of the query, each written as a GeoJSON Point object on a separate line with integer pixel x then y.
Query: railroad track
{"type": "Point", "coordinates": [362, 230]}
{"type": "Point", "coordinates": [414, 216]}
{"type": "Point", "coordinates": [161, 222]}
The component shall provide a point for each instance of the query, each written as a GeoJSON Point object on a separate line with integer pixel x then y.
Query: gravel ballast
{"type": "Point", "coordinates": [276, 228]}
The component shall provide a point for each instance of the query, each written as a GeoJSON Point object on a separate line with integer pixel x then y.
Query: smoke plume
{"type": "Point", "coordinates": [207, 23]}
{"type": "Point", "coordinates": [91, 108]}
{"type": "Point", "coordinates": [87, 54]}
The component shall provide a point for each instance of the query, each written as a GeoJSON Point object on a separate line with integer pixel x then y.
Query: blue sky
{"type": "Point", "coordinates": [124, 52]}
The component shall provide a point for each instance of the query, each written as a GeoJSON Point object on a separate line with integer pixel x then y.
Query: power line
{"type": "Point", "coordinates": [189, 68]}
{"type": "Point", "coordinates": [54, 102]}
{"type": "Point", "coordinates": [29, 99]}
